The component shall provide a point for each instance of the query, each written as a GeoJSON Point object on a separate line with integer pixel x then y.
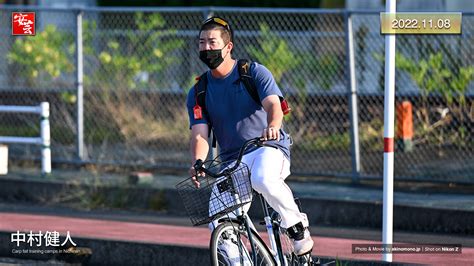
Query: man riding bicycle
{"type": "Point", "coordinates": [235, 117]}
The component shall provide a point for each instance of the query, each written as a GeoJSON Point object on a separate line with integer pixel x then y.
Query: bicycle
{"type": "Point", "coordinates": [225, 189]}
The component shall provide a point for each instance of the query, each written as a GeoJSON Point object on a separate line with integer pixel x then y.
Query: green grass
{"type": "Point", "coordinates": [339, 141]}
{"type": "Point", "coordinates": [20, 131]}
{"type": "Point", "coordinates": [59, 134]}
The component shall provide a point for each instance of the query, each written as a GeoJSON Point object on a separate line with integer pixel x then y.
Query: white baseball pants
{"type": "Point", "coordinates": [269, 168]}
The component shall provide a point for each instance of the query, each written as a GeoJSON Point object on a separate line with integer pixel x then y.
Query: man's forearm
{"type": "Point", "coordinates": [275, 116]}
{"type": "Point", "coordinates": [199, 148]}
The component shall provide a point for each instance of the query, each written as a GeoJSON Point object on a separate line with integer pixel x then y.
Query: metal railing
{"type": "Point", "coordinates": [43, 140]}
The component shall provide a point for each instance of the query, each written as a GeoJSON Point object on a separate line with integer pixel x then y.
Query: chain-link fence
{"type": "Point", "coordinates": [138, 65]}
{"type": "Point", "coordinates": [434, 74]}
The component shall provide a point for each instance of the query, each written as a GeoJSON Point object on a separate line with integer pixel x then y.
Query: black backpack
{"type": "Point", "coordinates": [245, 76]}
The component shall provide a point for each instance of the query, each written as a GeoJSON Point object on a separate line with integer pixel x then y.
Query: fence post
{"type": "Point", "coordinates": [352, 92]}
{"type": "Point", "coordinates": [45, 139]}
{"type": "Point", "coordinates": [80, 90]}
{"type": "Point", "coordinates": [388, 133]}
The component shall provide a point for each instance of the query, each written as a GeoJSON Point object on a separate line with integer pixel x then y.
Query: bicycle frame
{"type": "Point", "coordinates": [271, 230]}
{"type": "Point", "coordinates": [275, 246]}
{"type": "Point", "coordinates": [242, 218]}
{"type": "Point", "coordinates": [247, 222]}
{"type": "Point", "coordinates": [240, 214]}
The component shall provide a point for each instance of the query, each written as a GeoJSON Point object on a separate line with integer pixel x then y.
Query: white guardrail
{"type": "Point", "coordinates": [45, 136]}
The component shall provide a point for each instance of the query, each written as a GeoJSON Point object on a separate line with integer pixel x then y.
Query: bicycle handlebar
{"type": "Point", "coordinates": [199, 164]}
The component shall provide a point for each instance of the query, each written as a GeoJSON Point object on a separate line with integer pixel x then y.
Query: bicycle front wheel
{"type": "Point", "coordinates": [230, 245]}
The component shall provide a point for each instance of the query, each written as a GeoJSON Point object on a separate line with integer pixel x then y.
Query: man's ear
{"type": "Point", "coordinates": [230, 46]}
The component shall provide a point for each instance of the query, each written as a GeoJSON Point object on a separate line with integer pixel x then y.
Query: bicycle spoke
{"type": "Point", "coordinates": [231, 246]}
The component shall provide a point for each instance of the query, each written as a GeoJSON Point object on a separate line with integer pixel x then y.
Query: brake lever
{"type": "Point", "coordinates": [260, 142]}
{"type": "Point", "coordinates": [198, 165]}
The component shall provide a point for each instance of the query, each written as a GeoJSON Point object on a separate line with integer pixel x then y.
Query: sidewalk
{"type": "Point", "coordinates": [197, 237]}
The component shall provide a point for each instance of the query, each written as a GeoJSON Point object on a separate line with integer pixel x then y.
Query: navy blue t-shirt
{"type": "Point", "coordinates": [235, 116]}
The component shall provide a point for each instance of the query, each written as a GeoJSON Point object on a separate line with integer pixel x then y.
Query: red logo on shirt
{"type": "Point", "coordinates": [23, 23]}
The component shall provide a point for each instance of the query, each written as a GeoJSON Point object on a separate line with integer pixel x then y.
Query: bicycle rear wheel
{"type": "Point", "coordinates": [230, 245]}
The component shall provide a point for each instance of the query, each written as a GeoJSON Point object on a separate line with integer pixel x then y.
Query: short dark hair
{"type": "Point", "coordinates": [217, 23]}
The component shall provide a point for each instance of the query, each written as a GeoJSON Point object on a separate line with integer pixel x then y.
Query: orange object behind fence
{"type": "Point", "coordinates": [404, 114]}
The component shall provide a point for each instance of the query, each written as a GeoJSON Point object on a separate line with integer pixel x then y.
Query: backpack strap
{"type": "Point", "coordinates": [246, 78]}
{"type": "Point", "coordinates": [200, 89]}
{"type": "Point", "coordinates": [249, 84]}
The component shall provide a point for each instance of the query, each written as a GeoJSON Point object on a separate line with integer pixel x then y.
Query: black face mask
{"type": "Point", "coordinates": [212, 58]}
